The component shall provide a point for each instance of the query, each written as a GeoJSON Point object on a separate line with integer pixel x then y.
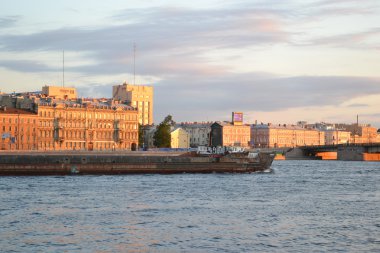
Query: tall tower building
{"type": "Point", "coordinates": [137, 96]}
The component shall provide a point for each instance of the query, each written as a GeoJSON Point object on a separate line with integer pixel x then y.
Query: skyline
{"type": "Point", "coordinates": [276, 62]}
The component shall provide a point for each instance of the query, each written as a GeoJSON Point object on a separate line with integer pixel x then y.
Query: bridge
{"type": "Point", "coordinates": [344, 152]}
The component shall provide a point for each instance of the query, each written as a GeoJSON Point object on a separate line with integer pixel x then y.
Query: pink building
{"type": "Point", "coordinates": [276, 136]}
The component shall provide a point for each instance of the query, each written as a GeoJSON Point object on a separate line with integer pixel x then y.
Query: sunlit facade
{"type": "Point", "coordinates": [139, 97]}
{"type": "Point", "coordinates": [276, 136]}
{"type": "Point", "coordinates": [179, 138]}
{"type": "Point", "coordinates": [86, 127]}
{"type": "Point", "coordinates": [18, 129]}
{"type": "Point", "coordinates": [227, 134]}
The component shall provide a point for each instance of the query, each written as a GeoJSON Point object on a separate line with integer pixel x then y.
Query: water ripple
{"type": "Point", "coordinates": [301, 206]}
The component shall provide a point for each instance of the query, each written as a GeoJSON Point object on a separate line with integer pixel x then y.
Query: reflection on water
{"type": "Point", "coordinates": [302, 206]}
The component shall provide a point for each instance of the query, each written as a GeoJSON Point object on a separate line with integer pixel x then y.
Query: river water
{"type": "Point", "coordinates": [302, 206]}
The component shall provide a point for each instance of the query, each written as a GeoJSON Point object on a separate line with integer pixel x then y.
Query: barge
{"type": "Point", "coordinates": [101, 163]}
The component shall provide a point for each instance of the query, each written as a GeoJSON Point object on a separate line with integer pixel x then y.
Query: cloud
{"type": "Point", "coordinates": [340, 2]}
{"type": "Point", "coordinates": [358, 105]}
{"type": "Point", "coordinates": [26, 66]}
{"type": "Point", "coordinates": [174, 46]}
{"type": "Point", "coordinates": [193, 98]}
{"type": "Point", "coordinates": [168, 40]}
{"type": "Point", "coordinates": [160, 30]}
{"type": "Point", "coordinates": [8, 21]}
{"type": "Point", "coordinates": [355, 40]}
{"type": "Point", "coordinates": [377, 115]}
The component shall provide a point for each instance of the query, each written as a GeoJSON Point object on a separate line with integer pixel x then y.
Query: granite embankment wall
{"type": "Point", "coordinates": [351, 153]}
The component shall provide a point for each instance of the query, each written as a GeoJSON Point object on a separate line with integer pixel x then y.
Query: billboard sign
{"type": "Point", "coordinates": [237, 118]}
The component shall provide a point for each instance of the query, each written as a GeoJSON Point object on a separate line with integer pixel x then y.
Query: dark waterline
{"type": "Point", "coordinates": [302, 206]}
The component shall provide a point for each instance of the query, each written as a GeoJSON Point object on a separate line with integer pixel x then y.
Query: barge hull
{"type": "Point", "coordinates": [53, 164]}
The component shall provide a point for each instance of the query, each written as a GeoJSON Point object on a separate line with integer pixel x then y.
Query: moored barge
{"type": "Point", "coordinates": [57, 163]}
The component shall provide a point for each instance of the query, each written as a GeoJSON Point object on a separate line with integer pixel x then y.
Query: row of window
{"type": "Point", "coordinates": [23, 146]}
{"type": "Point", "coordinates": [228, 140]}
{"type": "Point", "coordinates": [286, 140]}
{"type": "Point", "coordinates": [15, 120]}
{"type": "Point", "coordinates": [83, 125]}
{"type": "Point", "coordinates": [10, 129]}
{"type": "Point", "coordinates": [81, 146]}
{"type": "Point", "coordinates": [89, 115]}
{"type": "Point", "coordinates": [19, 139]}
{"type": "Point", "coordinates": [81, 134]}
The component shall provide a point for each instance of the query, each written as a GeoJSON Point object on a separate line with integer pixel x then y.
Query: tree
{"type": "Point", "coordinates": [161, 137]}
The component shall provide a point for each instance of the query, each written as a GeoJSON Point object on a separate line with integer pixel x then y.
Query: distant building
{"type": "Point", "coordinates": [67, 124]}
{"type": "Point", "coordinates": [87, 126]}
{"type": "Point", "coordinates": [179, 138]}
{"type": "Point", "coordinates": [137, 96]}
{"type": "Point", "coordinates": [276, 136]}
{"type": "Point", "coordinates": [228, 134]}
{"type": "Point", "coordinates": [333, 137]}
{"type": "Point", "coordinates": [59, 92]}
{"type": "Point", "coordinates": [361, 133]}
{"type": "Point", "coordinates": [348, 133]}
{"type": "Point", "coordinates": [199, 132]}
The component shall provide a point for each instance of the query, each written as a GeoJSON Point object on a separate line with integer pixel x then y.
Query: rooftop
{"type": "Point", "coordinates": [7, 110]}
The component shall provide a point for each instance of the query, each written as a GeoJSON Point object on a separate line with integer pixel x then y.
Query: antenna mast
{"type": "Point", "coordinates": [134, 63]}
{"type": "Point", "coordinates": [63, 68]}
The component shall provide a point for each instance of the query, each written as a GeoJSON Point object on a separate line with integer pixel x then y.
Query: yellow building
{"type": "Point", "coordinates": [59, 92]}
{"type": "Point", "coordinates": [273, 136]}
{"type": "Point", "coordinates": [87, 126]}
{"type": "Point", "coordinates": [137, 96]}
{"type": "Point", "coordinates": [179, 138]}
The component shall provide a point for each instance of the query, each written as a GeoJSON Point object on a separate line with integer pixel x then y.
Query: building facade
{"type": "Point", "coordinates": [69, 126]}
{"type": "Point", "coordinates": [18, 129]}
{"type": "Point", "coordinates": [179, 138]}
{"type": "Point", "coordinates": [361, 133]}
{"type": "Point", "coordinates": [333, 137]}
{"type": "Point", "coordinates": [276, 136]}
{"type": "Point", "coordinates": [199, 132]}
{"type": "Point", "coordinates": [59, 92]}
{"type": "Point", "coordinates": [227, 134]}
{"type": "Point", "coordinates": [137, 96]}
{"type": "Point", "coordinates": [48, 123]}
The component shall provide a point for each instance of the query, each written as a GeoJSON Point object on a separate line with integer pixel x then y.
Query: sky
{"type": "Point", "coordinates": [275, 61]}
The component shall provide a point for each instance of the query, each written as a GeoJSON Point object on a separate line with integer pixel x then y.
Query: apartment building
{"type": "Point", "coordinates": [276, 136]}
{"type": "Point", "coordinates": [139, 97]}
